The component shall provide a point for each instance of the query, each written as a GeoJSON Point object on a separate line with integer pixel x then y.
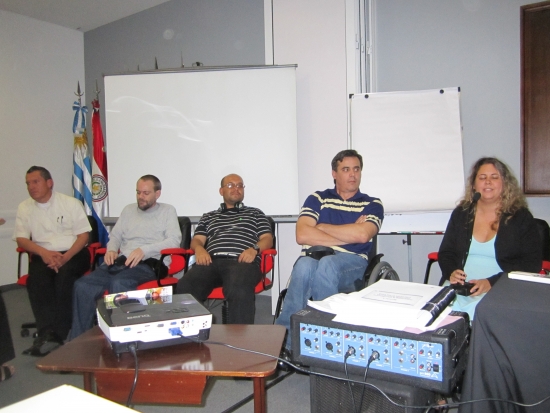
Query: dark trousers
{"type": "Point", "coordinates": [50, 293]}
{"type": "Point", "coordinates": [237, 280]}
{"type": "Point", "coordinates": [6, 345]}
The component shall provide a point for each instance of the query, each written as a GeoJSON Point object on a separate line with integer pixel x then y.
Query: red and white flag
{"type": "Point", "coordinates": [100, 189]}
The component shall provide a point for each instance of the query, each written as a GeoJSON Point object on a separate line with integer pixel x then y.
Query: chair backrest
{"type": "Point", "coordinates": [374, 260]}
{"type": "Point", "coordinates": [185, 228]}
{"type": "Point", "coordinates": [178, 262]}
{"type": "Point", "coordinates": [268, 262]}
{"type": "Point", "coordinates": [272, 224]}
{"type": "Point", "coordinates": [94, 233]}
{"type": "Point", "coordinates": [544, 231]}
{"type": "Point", "coordinates": [373, 251]}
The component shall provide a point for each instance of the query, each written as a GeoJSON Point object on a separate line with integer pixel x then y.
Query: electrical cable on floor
{"type": "Point", "coordinates": [364, 383]}
{"type": "Point", "coordinates": [132, 348]}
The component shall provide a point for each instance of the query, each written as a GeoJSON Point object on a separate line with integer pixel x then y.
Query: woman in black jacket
{"type": "Point", "coordinates": [490, 232]}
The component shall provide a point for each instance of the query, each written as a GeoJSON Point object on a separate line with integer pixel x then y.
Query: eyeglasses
{"type": "Point", "coordinates": [233, 185]}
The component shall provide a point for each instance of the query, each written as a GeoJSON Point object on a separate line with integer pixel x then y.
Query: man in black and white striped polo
{"type": "Point", "coordinates": [227, 244]}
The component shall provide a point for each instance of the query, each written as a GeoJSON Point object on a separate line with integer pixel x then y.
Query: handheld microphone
{"type": "Point", "coordinates": [471, 213]}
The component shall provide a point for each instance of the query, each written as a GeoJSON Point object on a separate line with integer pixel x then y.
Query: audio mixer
{"type": "Point", "coordinates": [432, 360]}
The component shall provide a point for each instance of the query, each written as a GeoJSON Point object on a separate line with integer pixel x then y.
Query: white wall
{"type": "Point", "coordinates": [474, 44]}
{"type": "Point", "coordinates": [40, 66]}
{"type": "Point", "coordinates": [312, 34]}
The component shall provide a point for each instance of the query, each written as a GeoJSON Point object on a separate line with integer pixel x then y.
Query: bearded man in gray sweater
{"type": "Point", "coordinates": [141, 232]}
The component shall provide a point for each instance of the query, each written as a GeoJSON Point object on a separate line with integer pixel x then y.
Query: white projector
{"type": "Point", "coordinates": [152, 322]}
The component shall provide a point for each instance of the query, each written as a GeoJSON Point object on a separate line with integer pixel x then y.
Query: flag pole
{"type": "Point", "coordinates": [79, 94]}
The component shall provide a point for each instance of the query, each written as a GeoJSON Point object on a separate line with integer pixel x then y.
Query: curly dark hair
{"type": "Point", "coordinates": [512, 198]}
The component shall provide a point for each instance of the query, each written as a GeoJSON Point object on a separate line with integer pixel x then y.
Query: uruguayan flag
{"type": "Point", "coordinates": [82, 169]}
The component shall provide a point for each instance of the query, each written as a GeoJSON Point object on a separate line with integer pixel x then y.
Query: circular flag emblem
{"type": "Point", "coordinates": [99, 188]}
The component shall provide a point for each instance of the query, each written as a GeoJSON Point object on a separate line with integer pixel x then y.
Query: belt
{"type": "Point", "coordinates": [225, 257]}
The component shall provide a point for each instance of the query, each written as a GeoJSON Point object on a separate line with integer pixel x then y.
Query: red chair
{"type": "Point", "coordinates": [266, 266]}
{"type": "Point", "coordinates": [93, 246]}
{"type": "Point", "coordinates": [179, 258]}
{"type": "Point", "coordinates": [432, 257]}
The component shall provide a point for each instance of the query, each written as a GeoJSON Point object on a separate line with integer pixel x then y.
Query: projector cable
{"type": "Point", "coordinates": [133, 350]}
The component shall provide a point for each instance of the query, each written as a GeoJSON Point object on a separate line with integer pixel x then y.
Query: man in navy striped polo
{"type": "Point", "coordinates": [227, 244]}
{"type": "Point", "coordinates": [342, 218]}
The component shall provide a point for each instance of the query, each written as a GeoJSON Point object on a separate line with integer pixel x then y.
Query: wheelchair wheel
{"type": "Point", "coordinates": [383, 270]}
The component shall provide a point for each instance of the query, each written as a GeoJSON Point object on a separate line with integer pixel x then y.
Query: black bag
{"type": "Point", "coordinates": [157, 266]}
{"type": "Point", "coordinates": [318, 251]}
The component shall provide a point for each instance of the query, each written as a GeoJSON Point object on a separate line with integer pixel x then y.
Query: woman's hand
{"type": "Point", "coordinates": [480, 287]}
{"type": "Point", "coordinates": [457, 276]}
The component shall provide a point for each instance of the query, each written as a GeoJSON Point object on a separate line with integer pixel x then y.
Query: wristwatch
{"type": "Point", "coordinates": [257, 248]}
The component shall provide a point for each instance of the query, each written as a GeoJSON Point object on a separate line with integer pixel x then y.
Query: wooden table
{"type": "Point", "coordinates": [175, 374]}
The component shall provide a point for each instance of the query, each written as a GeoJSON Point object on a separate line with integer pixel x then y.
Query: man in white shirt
{"type": "Point", "coordinates": [54, 229]}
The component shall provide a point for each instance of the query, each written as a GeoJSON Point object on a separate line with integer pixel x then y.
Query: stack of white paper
{"type": "Point", "coordinates": [530, 276]}
{"type": "Point", "coordinates": [395, 305]}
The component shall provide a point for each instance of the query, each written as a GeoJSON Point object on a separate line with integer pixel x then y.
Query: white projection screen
{"type": "Point", "coordinates": [411, 143]}
{"type": "Point", "coordinates": [194, 126]}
